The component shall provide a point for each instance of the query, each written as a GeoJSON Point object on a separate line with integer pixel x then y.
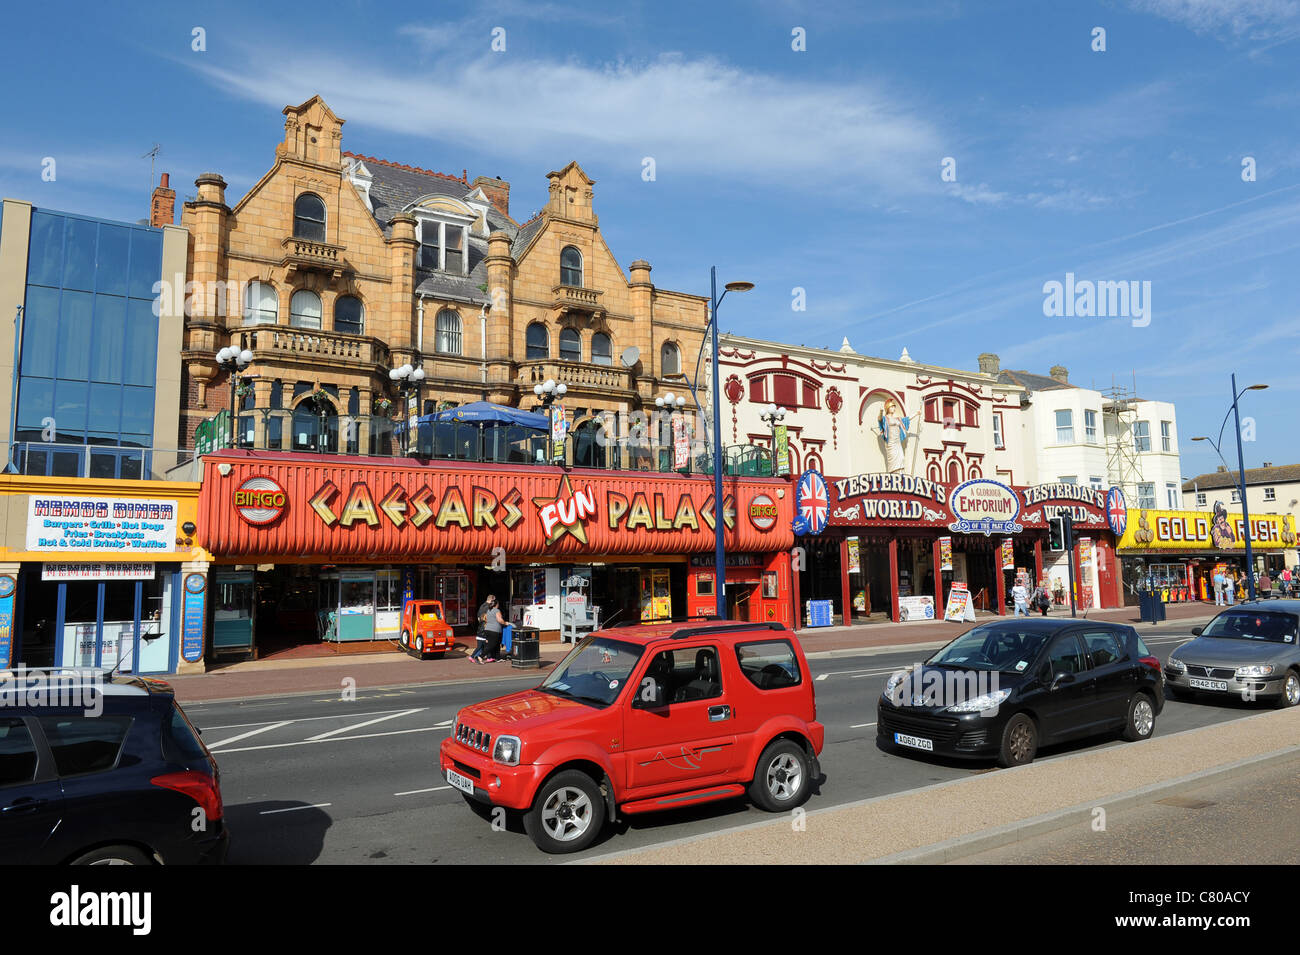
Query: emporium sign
{"type": "Point", "coordinates": [123, 525]}
{"type": "Point", "coordinates": [984, 506]}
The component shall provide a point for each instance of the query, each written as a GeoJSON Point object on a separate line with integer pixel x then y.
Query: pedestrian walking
{"type": "Point", "coordinates": [1286, 581]}
{"type": "Point", "coordinates": [1220, 596]}
{"type": "Point", "coordinates": [480, 638]}
{"type": "Point", "coordinates": [1021, 597]}
{"type": "Point", "coordinates": [1039, 599]}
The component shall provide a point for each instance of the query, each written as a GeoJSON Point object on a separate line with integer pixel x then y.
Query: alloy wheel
{"type": "Point", "coordinates": [1021, 742]}
{"type": "Point", "coordinates": [784, 777]}
{"type": "Point", "coordinates": [566, 814]}
{"type": "Point", "coordinates": [1143, 718]}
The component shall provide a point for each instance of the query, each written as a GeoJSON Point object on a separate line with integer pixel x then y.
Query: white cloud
{"type": "Point", "coordinates": [1255, 20]}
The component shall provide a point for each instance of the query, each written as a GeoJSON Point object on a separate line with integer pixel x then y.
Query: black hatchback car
{"type": "Point", "coordinates": [1004, 689]}
{"type": "Point", "coordinates": [104, 771]}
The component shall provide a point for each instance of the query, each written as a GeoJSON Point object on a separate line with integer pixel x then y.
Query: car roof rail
{"type": "Point", "coordinates": [729, 626]}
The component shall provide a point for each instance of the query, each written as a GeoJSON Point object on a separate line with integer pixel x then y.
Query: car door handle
{"type": "Point", "coordinates": [24, 805]}
{"type": "Point", "coordinates": [719, 713]}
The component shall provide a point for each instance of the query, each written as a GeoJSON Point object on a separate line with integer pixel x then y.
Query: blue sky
{"type": "Point", "coordinates": [817, 169]}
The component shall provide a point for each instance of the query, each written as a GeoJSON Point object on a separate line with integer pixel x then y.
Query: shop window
{"type": "Point", "coordinates": [769, 664]}
{"type": "Point", "coordinates": [704, 585]}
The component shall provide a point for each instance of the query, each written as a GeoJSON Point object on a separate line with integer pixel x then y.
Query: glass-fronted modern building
{"type": "Point", "coordinates": [97, 532]}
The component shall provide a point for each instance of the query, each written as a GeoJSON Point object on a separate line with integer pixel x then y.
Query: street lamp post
{"type": "Point", "coordinates": [1241, 475]}
{"type": "Point", "coordinates": [719, 508]}
{"type": "Point", "coordinates": [408, 379]}
{"type": "Point", "coordinates": [234, 361]}
{"type": "Point", "coordinates": [548, 392]}
{"type": "Point", "coordinates": [773, 415]}
{"type": "Point", "coordinates": [671, 403]}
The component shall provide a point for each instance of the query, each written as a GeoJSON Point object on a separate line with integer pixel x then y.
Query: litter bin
{"type": "Point", "coordinates": [1151, 608]}
{"type": "Point", "coordinates": [526, 651]}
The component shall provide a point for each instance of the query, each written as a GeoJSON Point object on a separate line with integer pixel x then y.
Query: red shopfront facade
{"type": "Point", "coordinates": [531, 535]}
{"type": "Point", "coordinates": [883, 550]}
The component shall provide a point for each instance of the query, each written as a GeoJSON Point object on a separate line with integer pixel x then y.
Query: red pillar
{"type": "Point", "coordinates": [1038, 560]}
{"type": "Point", "coordinates": [938, 582]}
{"type": "Point", "coordinates": [893, 578]}
{"type": "Point", "coordinates": [844, 580]}
{"type": "Point", "coordinates": [1000, 576]}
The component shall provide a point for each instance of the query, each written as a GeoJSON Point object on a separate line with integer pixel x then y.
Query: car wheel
{"type": "Point", "coordinates": [782, 777]}
{"type": "Point", "coordinates": [406, 638]}
{"type": "Point", "coordinates": [1290, 691]}
{"type": "Point", "coordinates": [1019, 742]}
{"type": "Point", "coordinates": [419, 644]}
{"type": "Point", "coordinates": [1141, 722]}
{"type": "Point", "coordinates": [114, 855]}
{"type": "Point", "coordinates": [567, 814]}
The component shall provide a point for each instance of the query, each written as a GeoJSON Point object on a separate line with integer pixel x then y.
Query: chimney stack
{"type": "Point", "coordinates": [990, 364]}
{"type": "Point", "coordinates": [1221, 469]}
{"type": "Point", "coordinates": [1060, 373]}
{"type": "Point", "coordinates": [162, 211]}
{"type": "Point", "coordinates": [497, 190]}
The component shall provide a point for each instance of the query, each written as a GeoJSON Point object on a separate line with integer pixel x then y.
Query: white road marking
{"type": "Point", "coordinates": [822, 676]}
{"type": "Point", "coordinates": [412, 792]}
{"type": "Point", "coordinates": [332, 739]}
{"type": "Point", "coordinates": [357, 726]}
{"type": "Point", "coordinates": [863, 676]}
{"type": "Point", "coordinates": [272, 812]}
{"type": "Point", "coordinates": [301, 719]}
{"type": "Point", "coordinates": [442, 724]}
{"type": "Point", "coordinates": [264, 729]}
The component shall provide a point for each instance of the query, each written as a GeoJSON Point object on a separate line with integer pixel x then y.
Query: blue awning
{"type": "Point", "coordinates": [484, 412]}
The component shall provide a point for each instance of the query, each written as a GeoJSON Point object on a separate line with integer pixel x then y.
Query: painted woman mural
{"type": "Point", "coordinates": [893, 428]}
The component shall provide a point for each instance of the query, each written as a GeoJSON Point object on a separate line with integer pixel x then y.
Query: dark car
{"type": "Point", "coordinates": [1251, 651]}
{"type": "Point", "coordinates": [1004, 689]}
{"type": "Point", "coordinates": [98, 770]}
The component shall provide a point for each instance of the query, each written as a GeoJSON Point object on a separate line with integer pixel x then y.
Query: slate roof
{"type": "Point", "coordinates": [1031, 382]}
{"type": "Point", "coordinates": [395, 186]}
{"type": "Point", "coordinates": [1282, 474]}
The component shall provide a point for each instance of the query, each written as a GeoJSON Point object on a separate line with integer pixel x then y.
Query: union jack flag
{"type": "Point", "coordinates": [1116, 511]}
{"type": "Point", "coordinates": [813, 502]}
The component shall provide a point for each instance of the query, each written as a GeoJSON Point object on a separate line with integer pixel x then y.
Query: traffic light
{"type": "Point", "coordinates": [1056, 533]}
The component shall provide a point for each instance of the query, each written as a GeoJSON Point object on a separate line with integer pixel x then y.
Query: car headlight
{"type": "Point", "coordinates": [1264, 669]}
{"type": "Point", "coordinates": [893, 683]}
{"type": "Point", "coordinates": [981, 703]}
{"type": "Point", "coordinates": [506, 750]}
{"type": "Point", "coordinates": [1177, 665]}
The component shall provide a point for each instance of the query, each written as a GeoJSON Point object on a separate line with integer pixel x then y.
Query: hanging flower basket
{"type": "Point", "coordinates": [382, 406]}
{"type": "Point", "coordinates": [243, 391]}
{"type": "Point", "coordinates": [323, 400]}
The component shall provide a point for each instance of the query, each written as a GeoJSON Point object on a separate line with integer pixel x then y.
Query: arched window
{"type": "Point", "coordinates": [538, 341]}
{"type": "Point", "coordinates": [570, 345]}
{"type": "Point", "coordinates": [261, 304]}
{"type": "Point", "coordinates": [309, 218]}
{"type": "Point", "coordinates": [304, 309]}
{"type": "Point", "coordinates": [314, 431]}
{"type": "Point", "coordinates": [670, 360]}
{"type": "Point", "coordinates": [571, 267]}
{"type": "Point", "coordinates": [602, 352]}
{"type": "Point", "coordinates": [447, 332]}
{"type": "Point", "coordinates": [954, 471]}
{"type": "Point", "coordinates": [349, 315]}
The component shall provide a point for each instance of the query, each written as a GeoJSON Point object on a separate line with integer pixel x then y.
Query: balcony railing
{"type": "Point", "coordinates": [307, 253]}
{"type": "Point", "coordinates": [574, 373]}
{"type": "Point", "coordinates": [313, 345]}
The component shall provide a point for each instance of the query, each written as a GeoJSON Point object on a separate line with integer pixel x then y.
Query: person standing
{"type": "Point", "coordinates": [480, 638]}
{"type": "Point", "coordinates": [493, 625]}
{"type": "Point", "coordinates": [1219, 596]}
{"type": "Point", "coordinates": [1265, 585]}
{"type": "Point", "coordinates": [1230, 587]}
{"type": "Point", "coordinates": [1040, 599]}
{"type": "Point", "coordinates": [1021, 597]}
{"type": "Point", "coordinates": [1286, 581]}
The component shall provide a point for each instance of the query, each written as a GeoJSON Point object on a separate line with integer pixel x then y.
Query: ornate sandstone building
{"type": "Point", "coordinates": [337, 268]}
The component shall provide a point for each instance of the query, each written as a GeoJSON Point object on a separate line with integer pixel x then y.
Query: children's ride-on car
{"type": "Point", "coordinates": [424, 629]}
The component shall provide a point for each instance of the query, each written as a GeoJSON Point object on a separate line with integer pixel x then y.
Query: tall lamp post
{"type": "Point", "coordinates": [408, 379]}
{"type": "Point", "coordinates": [548, 392]}
{"type": "Point", "coordinates": [773, 415]}
{"type": "Point", "coordinates": [719, 508]}
{"type": "Point", "coordinates": [1241, 475]}
{"type": "Point", "coordinates": [234, 361]}
{"type": "Point", "coordinates": [670, 403]}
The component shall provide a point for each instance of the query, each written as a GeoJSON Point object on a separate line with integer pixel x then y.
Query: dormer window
{"type": "Point", "coordinates": [309, 218]}
{"type": "Point", "coordinates": [442, 246]}
{"type": "Point", "coordinates": [571, 267]}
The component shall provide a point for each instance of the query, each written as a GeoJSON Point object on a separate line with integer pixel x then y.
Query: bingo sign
{"type": "Point", "coordinates": [762, 512]}
{"type": "Point", "coordinates": [812, 504]}
{"type": "Point", "coordinates": [193, 615]}
{"type": "Point", "coordinates": [260, 500]}
{"type": "Point", "coordinates": [1116, 512]}
{"type": "Point", "coordinates": [984, 506]}
{"type": "Point", "coordinates": [8, 586]}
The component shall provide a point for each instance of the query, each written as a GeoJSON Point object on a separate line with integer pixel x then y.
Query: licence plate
{"type": "Point", "coordinates": [915, 742]}
{"type": "Point", "coordinates": [460, 782]}
{"type": "Point", "coordinates": [1196, 684]}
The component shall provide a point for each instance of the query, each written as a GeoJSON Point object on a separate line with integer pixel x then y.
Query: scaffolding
{"type": "Point", "coordinates": [1119, 414]}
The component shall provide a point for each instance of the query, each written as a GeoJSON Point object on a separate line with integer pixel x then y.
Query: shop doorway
{"type": "Point", "coordinates": [742, 599]}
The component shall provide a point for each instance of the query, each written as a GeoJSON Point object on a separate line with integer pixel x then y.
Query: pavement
{"type": "Point", "coordinates": [950, 821]}
{"type": "Point", "coordinates": [256, 678]}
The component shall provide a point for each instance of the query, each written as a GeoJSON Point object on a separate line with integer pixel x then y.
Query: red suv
{"type": "Point", "coordinates": [639, 719]}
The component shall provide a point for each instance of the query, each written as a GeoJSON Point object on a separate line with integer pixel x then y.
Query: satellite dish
{"type": "Point", "coordinates": [630, 356]}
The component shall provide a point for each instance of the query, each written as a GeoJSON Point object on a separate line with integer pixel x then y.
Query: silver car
{"type": "Point", "coordinates": [1251, 651]}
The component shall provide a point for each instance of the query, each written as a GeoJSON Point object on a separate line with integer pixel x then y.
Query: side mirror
{"type": "Point", "coordinates": [1196, 631]}
{"type": "Point", "coordinates": [650, 695]}
{"type": "Point", "coordinates": [1062, 679]}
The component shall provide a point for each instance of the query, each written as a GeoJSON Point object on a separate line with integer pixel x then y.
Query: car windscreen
{"type": "Point", "coordinates": [1002, 647]}
{"type": "Point", "coordinates": [595, 671]}
{"type": "Point", "coordinates": [1267, 626]}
